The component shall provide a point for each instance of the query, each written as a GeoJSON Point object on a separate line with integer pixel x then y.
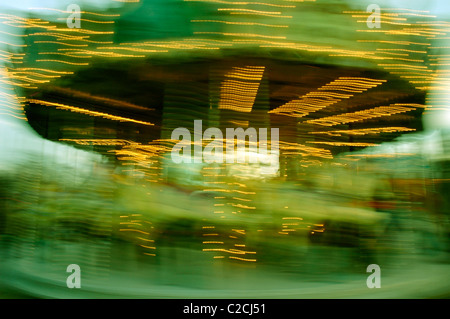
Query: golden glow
{"type": "Point", "coordinates": [108, 142]}
{"type": "Point", "coordinates": [326, 96]}
{"type": "Point", "coordinates": [238, 91]}
{"type": "Point", "coordinates": [344, 143]}
{"type": "Point", "coordinates": [379, 111]}
{"type": "Point", "coordinates": [365, 131]}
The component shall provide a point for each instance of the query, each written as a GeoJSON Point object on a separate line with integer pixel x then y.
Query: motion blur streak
{"type": "Point", "coordinates": [361, 175]}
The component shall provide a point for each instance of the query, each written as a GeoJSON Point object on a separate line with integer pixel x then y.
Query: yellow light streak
{"type": "Point", "coordinates": [377, 130]}
{"type": "Point", "coordinates": [243, 259]}
{"type": "Point", "coordinates": [148, 247]}
{"type": "Point", "coordinates": [251, 35]}
{"type": "Point", "coordinates": [135, 230]}
{"type": "Point", "coordinates": [82, 12]}
{"type": "Point", "coordinates": [92, 21]}
{"type": "Point", "coordinates": [88, 112]}
{"type": "Point", "coordinates": [326, 96]}
{"type": "Point", "coordinates": [66, 62]}
{"type": "Point", "coordinates": [344, 143]}
{"type": "Point", "coordinates": [243, 3]}
{"type": "Point", "coordinates": [366, 114]}
{"type": "Point", "coordinates": [242, 23]}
